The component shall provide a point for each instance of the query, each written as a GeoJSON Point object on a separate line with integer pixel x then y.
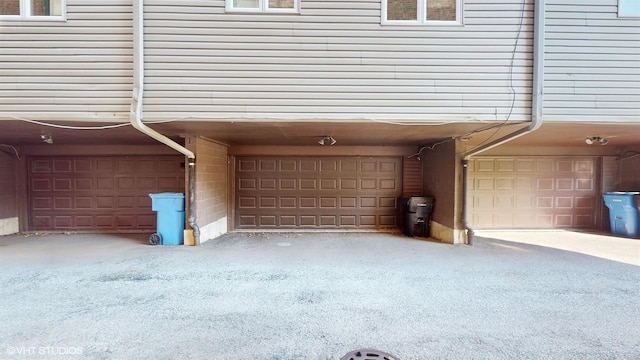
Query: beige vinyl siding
{"type": "Point", "coordinates": [79, 69]}
{"type": "Point", "coordinates": [592, 62]}
{"type": "Point", "coordinates": [334, 61]}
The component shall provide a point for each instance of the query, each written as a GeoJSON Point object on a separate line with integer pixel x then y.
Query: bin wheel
{"type": "Point", "coordinates": [155, 239]}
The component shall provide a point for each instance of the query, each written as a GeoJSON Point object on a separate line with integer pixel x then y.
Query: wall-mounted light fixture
{"type": "Point", "coordinates": [327, 139]}
{"type": "Point", "coordinates": [596, 140]}
{"type": "Point", "coordinates": [47, 138]}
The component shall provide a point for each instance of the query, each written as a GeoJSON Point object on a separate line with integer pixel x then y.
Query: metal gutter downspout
{"type": "Point", "coordinates": [536, 109]}
{"type": "Point", "coordinates": [135, 113]}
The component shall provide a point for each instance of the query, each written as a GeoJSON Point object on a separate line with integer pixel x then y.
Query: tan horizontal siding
{"type": "Point", "coordinates": [592, 62]}
{"type": "Point", "coordinates": [79, 69]}
{"type": "Point", "coordinates": [335, 61]}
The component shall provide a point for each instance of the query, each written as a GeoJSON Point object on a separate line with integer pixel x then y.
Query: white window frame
{"type": "Point", "coordinates": [422, 16]}
{"type": "Point", "coordinates": [626, 10]}
{"type": "Point", "coordinates": [25, 10]}
{"type": "Point", "coordinates": [263, 6]}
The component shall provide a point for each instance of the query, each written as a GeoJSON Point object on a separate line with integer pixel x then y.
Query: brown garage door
{"type": "Point", "coordinates": [99, 193]}
{"type": "Point", "coordinates": [533, 192]}
{"type": "Point", "coordinates": [321, 192]}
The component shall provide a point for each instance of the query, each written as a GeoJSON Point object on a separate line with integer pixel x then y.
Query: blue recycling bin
{"type": "Point", "coordinates": [624, 213]}
{"type": "Point", "coordinates": [170, 208]}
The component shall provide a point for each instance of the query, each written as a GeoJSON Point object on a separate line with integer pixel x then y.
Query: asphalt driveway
{"type": "Point", "coordinates": [314, 296]}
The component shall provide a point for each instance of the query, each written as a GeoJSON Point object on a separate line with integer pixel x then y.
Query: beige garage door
{"type": "Point", "coordinates": [320, 192]}
{"type": "Point", "coordinates": [107, 193]}
{"type": "Point", "coordinates": [532, 192]}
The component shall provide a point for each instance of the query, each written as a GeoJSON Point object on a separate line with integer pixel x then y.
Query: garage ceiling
{"type": "Point", "coordinates": [370, 133]}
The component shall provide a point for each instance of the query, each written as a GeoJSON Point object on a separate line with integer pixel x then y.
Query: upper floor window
{"type": "Point", "coordinates": [263, 5]}
{"type": "Point", "coordinates": [628, 8]}
{"type": "Point", "coordinates": [32, 9]}
{"type": "Point", "coordinates": [421, 11]}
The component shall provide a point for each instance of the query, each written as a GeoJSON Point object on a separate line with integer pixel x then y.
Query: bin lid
{"type": "Point", "coordinates": [167, 195]}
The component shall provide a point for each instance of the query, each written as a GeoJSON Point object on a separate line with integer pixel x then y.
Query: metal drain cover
{"type": "Point", "coordinates": [368, 354]}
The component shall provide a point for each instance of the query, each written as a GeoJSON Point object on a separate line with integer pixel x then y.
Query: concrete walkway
{"type": "Point", "coordinates": [606, 246]}
{"type": "Point", "coordinates": [313, 296]}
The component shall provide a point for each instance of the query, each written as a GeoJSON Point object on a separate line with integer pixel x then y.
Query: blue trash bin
{"type": "Point", "coordinates": [624, 213]}
{"type": "Point", "coordinates": [170, 208]}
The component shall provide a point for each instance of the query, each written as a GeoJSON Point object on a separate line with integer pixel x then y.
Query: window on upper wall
{"type": "Point", "coordinates": [285, 6]}
{"type": "Point", "coordinates": [629, 8]}
{"type": "Point", "coordinates": [32, 9]}
{"type": "Point", "coordinates": [421, 12]}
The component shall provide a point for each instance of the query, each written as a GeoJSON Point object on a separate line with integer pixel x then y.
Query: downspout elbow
{"type": "Point", "coordinates": [135, 112]}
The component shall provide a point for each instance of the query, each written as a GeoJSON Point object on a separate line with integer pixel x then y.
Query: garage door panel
{"type": "Point", "coordinates": [248, 184]}
{"type": "Point", "coordinates": [388, 202]}
{"type": "Point", "coordinates": [267, 165]}
{"type": "Point", "coordinates": [348, 220]}
{"type": "Point", "coordinates": [387, 221]}
{"type": "Point", "coordinates": [246, 165]}
{"type": "Point", "coordinates": [533, 193]}
{"type": "Point", "coordinates": [348, 165]}
{"type": "Point", "coordinates": [329, 184]}
{"type": "Point", "coordinates": [83, 184]}
{"type": "Point", "coordinates": [268, 184]}
{"type": "Point", "coordinates": [288, 184]}
{"type": "Point", "coordinates": [369, 166]}
{"type": "Point", "coordinates": [368, 184]}
{"type": "Point", "coordinates": [63, 222]}
{"type": "Point", "coordinates": [585, 184]}
{"type": "Point", "coordinates": [41, 184]}
{"type": "Point", "coordinates": [367, 220]}
{"type": "Point", "coordinates": [128, 165]}
{"type": "Point", "coordinates": [105, 183]}
{"type": "Point", "coordinates": [584, 202]}
{"type": "Point", "coordinates": [84, 222]}
{"type": "Point", "coordinates": [321, 192]}
{"type": "Point", "coordinates": [63, 165]}
{"type": "Point", "coordinates": [327, 166]}
{"type": "Point", "coordinates": [63, 203]}
{"type": "Point", "coordinates": [84, 202]}
{"type": "Point", "coordinates": [328, 202]}
{"type": "Point", "coordinates": [99, 193]}
{"type": "Point", "coordinates": [308, 220]}
{"type": "Point", "coordinates": [105, 165]}
{"type": "Point", "coordinates": [126, 183]}
{"type": "Point", "coordinates": [584, 220]}
{"type": "Point", "coordinates": [544, 165]}
{"type": "Point", "coordinates": [82, 165]}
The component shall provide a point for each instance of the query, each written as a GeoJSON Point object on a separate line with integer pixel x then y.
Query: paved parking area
{"type": "Point", "coordinates": [315, 296]}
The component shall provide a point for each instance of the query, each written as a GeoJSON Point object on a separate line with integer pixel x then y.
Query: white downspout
{"type": "Point", "coordinates": [135, 113]}
{"type": "Point", "coordinates": [537, 86]}
{"type": "Point", "coordinates": [537, 93]}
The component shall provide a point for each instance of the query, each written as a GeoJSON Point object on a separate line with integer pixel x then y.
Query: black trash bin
{"type": "Point", "coordinates": [416, 215]}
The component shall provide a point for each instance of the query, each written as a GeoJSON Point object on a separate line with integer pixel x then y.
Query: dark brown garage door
{"type": "Point", "coordinates": [533, 192]}
{"type": "Point", "coordinates": [99, 193]}
{"type": "Point", "coordinates": [321, 192]}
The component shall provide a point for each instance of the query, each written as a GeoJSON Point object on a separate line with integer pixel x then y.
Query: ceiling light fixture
{"type": "Point", "coordinates": [596, 140]}
{"type": "Point", "coordinates": [46, 138]}
{"type": "Point", "coordinates": [327, 139]}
